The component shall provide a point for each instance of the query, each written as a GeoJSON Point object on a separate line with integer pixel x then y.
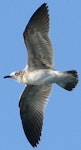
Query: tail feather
{"type": "Point", "coordinates": [68, 80]}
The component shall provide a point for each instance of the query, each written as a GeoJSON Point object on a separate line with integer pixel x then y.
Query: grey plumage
{"type": "Point", "coordinates": [40, 52]}
{"type": "Point", "coordinates": [32, 105]}
{"type": "Point", "coordinates": [39, 75]}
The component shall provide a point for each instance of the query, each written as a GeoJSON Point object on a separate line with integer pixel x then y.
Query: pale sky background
{"type": "Point", "coordinates": [62, 121]}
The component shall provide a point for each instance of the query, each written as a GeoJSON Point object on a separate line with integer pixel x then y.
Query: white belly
{"type": "Point", "coordinates": [43, 76]}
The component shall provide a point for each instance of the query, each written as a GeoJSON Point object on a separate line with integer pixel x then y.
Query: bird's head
{"type": "Point", "coordinates": [17, 75]}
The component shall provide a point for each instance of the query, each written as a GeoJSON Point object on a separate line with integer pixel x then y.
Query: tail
{"type": "Point", "coordinates": [68, 79]}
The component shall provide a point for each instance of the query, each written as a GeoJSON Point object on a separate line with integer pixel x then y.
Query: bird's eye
{"type": "Point", "coordinates": [17, 73]}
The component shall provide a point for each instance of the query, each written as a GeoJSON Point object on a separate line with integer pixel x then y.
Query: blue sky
{"type": "Point", "coordinates": [62, 121]}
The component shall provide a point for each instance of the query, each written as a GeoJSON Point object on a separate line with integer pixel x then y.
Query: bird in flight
{"type": "Point", "coordinates": [39, 75]}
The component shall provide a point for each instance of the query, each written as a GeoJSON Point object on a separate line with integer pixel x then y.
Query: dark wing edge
{"type": "Point", "coordinates": [32, 104]}
{"type": "Point", "coordinates": [37, 41]}
{"type": "Point", "coordinates": [39, 20]}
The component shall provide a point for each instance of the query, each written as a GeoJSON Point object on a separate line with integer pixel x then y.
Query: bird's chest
{"type": "Point", "coordinates": [39, 77]}
{"type": "Point", "coordinates": [35, 77]}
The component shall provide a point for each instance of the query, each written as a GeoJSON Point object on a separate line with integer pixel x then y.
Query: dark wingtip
{"type": "Point", "coordinates": [38, 21]}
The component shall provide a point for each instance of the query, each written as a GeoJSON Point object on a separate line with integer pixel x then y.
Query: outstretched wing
{"type": "Point", "coordinates": [40, 52]}
{"type": "Point", "coordinates": [32, 103]}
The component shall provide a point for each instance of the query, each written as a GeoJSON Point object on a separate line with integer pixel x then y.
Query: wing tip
{"type": "Point", "coordinates": [40, 16]}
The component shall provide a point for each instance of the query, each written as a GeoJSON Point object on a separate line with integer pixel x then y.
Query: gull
{"type": "Point", "coordinates": [39, 75]}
